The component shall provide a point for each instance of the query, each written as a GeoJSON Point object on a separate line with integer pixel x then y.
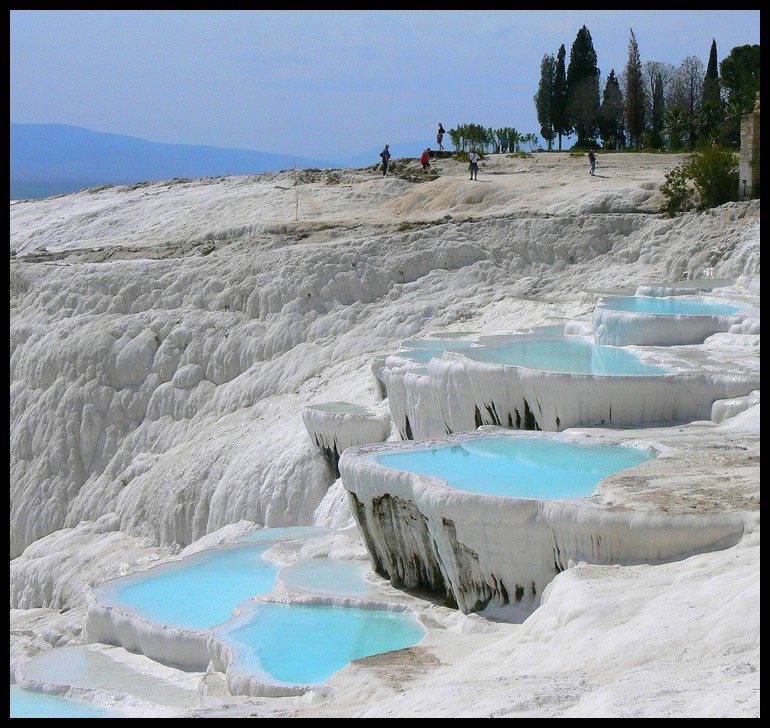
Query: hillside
{"type": "Point", "coordinates": [167, 334]}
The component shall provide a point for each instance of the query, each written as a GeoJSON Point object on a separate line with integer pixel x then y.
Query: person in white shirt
{"type": "Point", "coordinates": [473, 167]}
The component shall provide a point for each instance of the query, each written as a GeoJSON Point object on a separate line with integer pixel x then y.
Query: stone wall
{"type": "Point", "coordinates": [748, 166]}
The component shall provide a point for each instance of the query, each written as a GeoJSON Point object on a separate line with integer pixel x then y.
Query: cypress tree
{"type": "Point", "coordinates": [612, 114]}
{"type": "Point", "coordinates": [544, 98]}
{"type": "Point", "coordinates": [634, 94]}
{"type": "Point", "coordinates": [711, 81]}
{"type": "Point", "coordinates": [583, 88]}
{"type": "Point", "coordinates": [559, 104]}
{"type": "Point", "coordinates": [657, 121]}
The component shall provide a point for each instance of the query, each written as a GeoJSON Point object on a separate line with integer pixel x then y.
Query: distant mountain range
{"type": "Point", "coordinates": [51, 159]}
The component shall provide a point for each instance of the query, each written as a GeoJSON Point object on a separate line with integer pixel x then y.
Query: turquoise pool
{"type": "Point", "coordinates": [291, 643]}
{"type": "Point", "coordinates": [197, 592]}
{"type": "Point", "coordinates": [565, 354]}
{"type": "Point", "coordinates": [521, 467]}
{"type": "Point", "coordinates": [329, 576]}
{"type": "Point", "coordinates": [34, 704]}
{"type": "Point", "coordinates": [307, 643]}
{"type": "Point", "coordinates": [675, 305]}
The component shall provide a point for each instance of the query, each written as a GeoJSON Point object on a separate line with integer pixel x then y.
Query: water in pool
{"type": "Point", "coordinates": [521, 467]}
{"type": "Point", "coordinates": [306, 643]}
{"type": "Point", "coordinates": [565, 354]}
{"type": "Point", "coordinates": [675, 305]}
{"type": "Point", "coordinates": [201, 590]}
{"type": "Point", "coordinates": [34, 704]}
{"type": "Point", "coordinates": [197, 592]}
{"type": "Point", "coordinates": [333, 576]}
{"type": "Point", "coordinates": [91, 671]}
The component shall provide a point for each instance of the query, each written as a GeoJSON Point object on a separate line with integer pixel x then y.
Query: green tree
{"type": "Point", "coordinates": [711, 80]}
{"type": "Point", "coordinates": [739, 74]}
{"type": "Point", "coordinates": [657, 114]}
{"type": "Point", "coordinates": [583, 88]}
{"type": "Point", "coordinates": [709, 118]}
{"type": "Point", "coordinates": [455, 136]}
{"type": "Point", "coordinates": [675, 126]}
{"type": "Point", "coordinates": [634, 94]}
{"type": "Point", "coordinates": [612, 114]}
{"type": "Point", "coordinates": [559, 117]}
{"type": "Point", "coordinates": [544, 98]}
{"type": "Point", "coordinates": [465, 136]}
{"type": "Point", "coordinates": [530, 139]}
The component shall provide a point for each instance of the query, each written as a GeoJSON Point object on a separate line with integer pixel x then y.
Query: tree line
{"type": "Point", "coordinates": [486, 139]}
{"type": "Point", "coordinates": [651, 105]}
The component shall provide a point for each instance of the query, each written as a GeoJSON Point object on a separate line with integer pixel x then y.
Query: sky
{"type": "Point", "coordinates": [321, 83]}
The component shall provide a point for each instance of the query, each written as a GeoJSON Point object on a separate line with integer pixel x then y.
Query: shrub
{"type": "Point", "coordinates": [709, 178]}
{"type": "Point", "coordinates": [677, 192]}
{"type": "Point", "coordinates": [715, 175]}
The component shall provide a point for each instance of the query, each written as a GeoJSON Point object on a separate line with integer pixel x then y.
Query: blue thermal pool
{"type": "Point", "coordinates": [291, 643]}
{"type": "Point", "coordinates": [201, 590]}
{"type": "Point", "coordinates": [565, 354]}
{"type": "Point", "coordinates": [108, 682]}
{"type": "Point", "coordinates": [519, 467]}
{"type": "Point", "coordinates": [333, 576]}
{"type": "Point", "coordinates": [197, 592]}
{"type": "Point", "coordinates": [306, 643]}
{"type": "Point", "coordinates": [34, 704]}
{"type": "Point", "coordinates": [675, 305]}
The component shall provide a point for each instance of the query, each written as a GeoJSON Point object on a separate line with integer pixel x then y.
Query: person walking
{"type": "Point", "coordinates": [385, 154]}
{"type": "Point", "coordinates": [440, 136]}
{"type": "Point", "coordinates": [473, 165]}
{"type": "Point", "coordinates": [592, 161]}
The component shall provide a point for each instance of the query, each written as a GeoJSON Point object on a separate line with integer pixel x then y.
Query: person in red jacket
{"type": "Point", "coordinates": [424, 160]}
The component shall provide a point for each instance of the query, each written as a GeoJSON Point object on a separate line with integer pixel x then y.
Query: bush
{"type": "Point", "coordinates": [677, 192]}
{"type": "Point", "coordinates": [709, 178]}
{"type": "Point", "coordinates": [715, 175]}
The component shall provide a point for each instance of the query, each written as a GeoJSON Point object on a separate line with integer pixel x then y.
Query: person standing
{"type": "Point", "coordinates": [385, 154]}
{"type": "Point", "coordinates": [473, 165]}
{"type": "Point", "coordinates": [440, 136]}
{"type": "Point", "coordinates": [592, 160]}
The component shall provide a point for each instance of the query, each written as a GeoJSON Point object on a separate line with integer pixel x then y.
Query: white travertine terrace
{"type": "Point", "coordinates": [457, 393]}
{"type": "Point", "coordinates": [334, 426]}
{"type": "Point", "coordinates": [616, 327]}
{"type": "Point", "coordinates": [683, 288]}
{"type": "Point", "coordinates": [484, 550]}
{"type": "Point", "coordinates": [156, 398]}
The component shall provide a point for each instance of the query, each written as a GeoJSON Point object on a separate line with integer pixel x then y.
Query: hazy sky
{"type": "Point", "coordinates": [317, 83]}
